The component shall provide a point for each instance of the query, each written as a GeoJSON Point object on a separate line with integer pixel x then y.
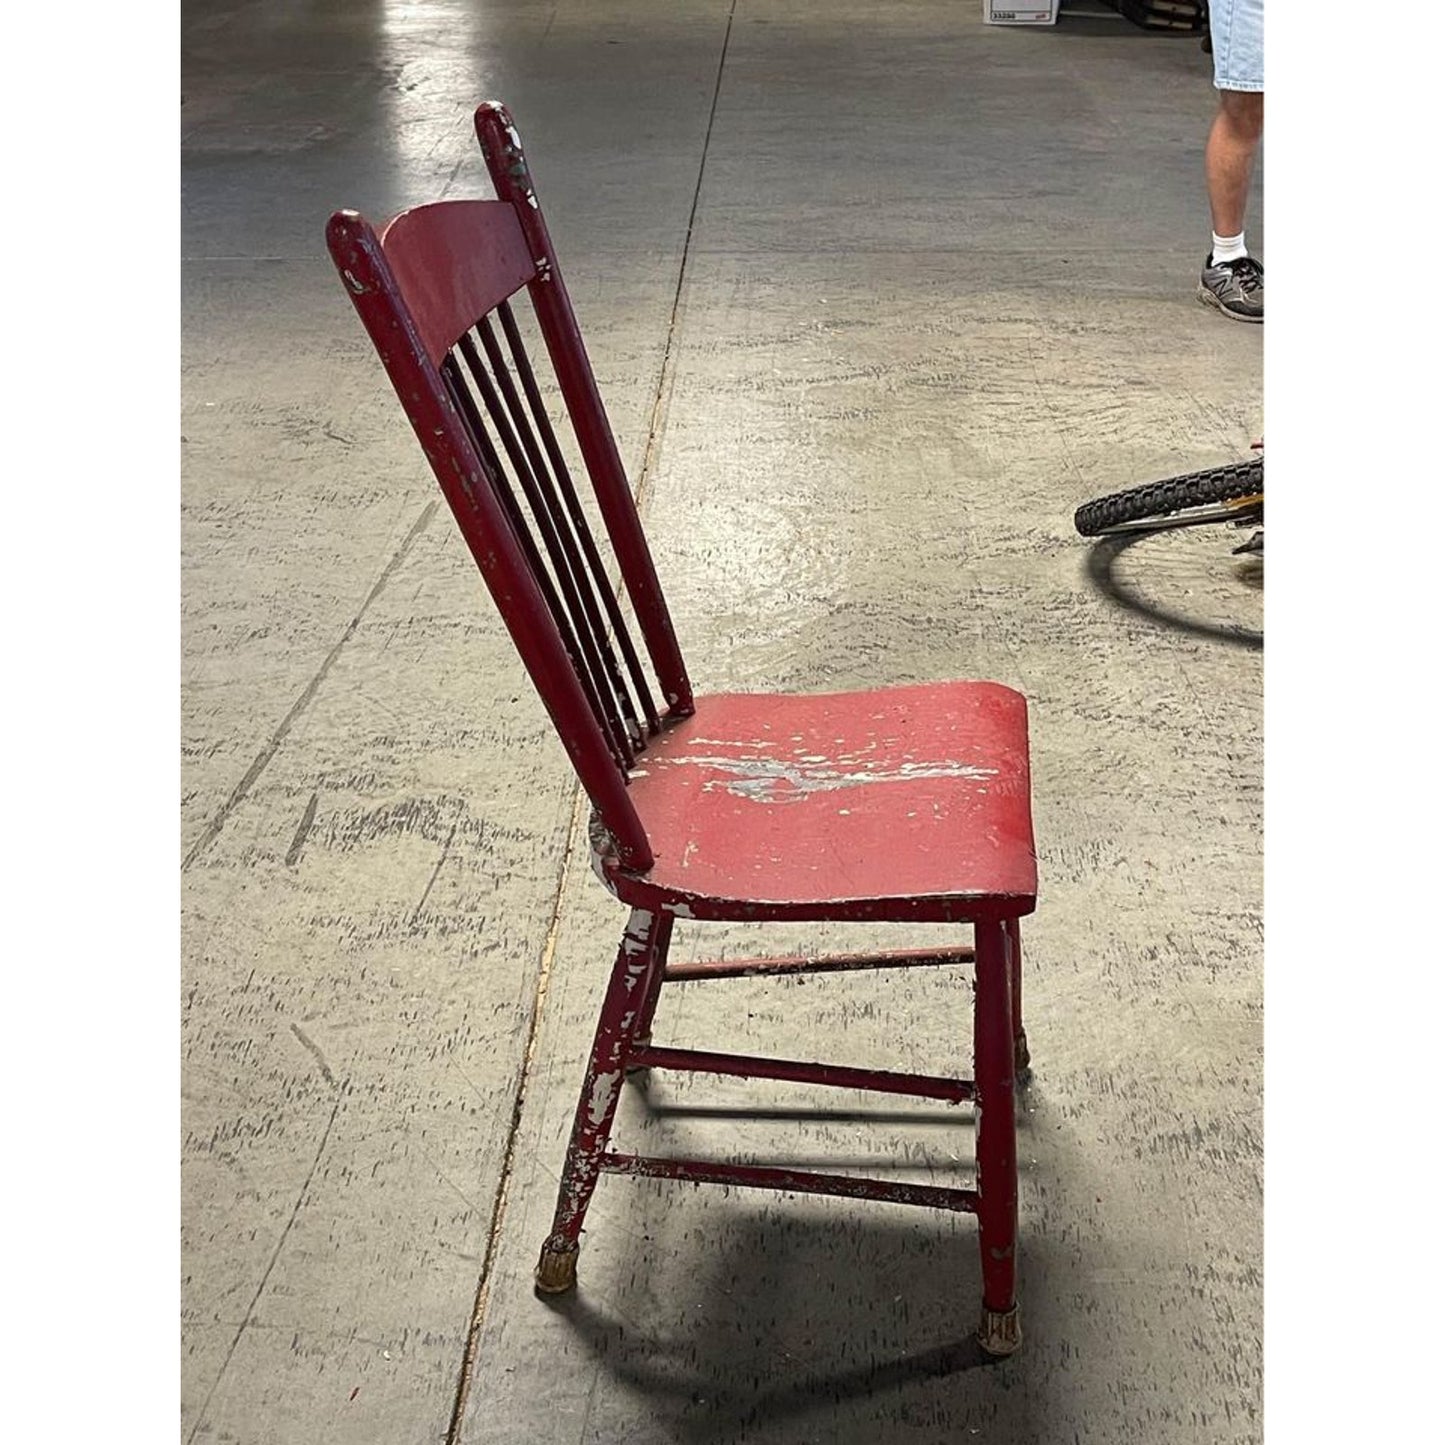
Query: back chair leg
{"type": "Point", "coordinates": [1016, 985]}
{"type": "Point", "coordinates": [993, 1056]}
{"type": "Point", "coordinates": [639, 960]}
{"type": "Point", "coordinates": [652, 984]}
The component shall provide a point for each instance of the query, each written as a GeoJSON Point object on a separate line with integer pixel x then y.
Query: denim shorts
{"type": "Point", "coordinates": [1236, 28]}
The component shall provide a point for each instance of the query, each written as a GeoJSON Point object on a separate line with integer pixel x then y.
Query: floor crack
{"type": "Point", "coordinates": [275, 1255]}
{"type": "Point", "coordinates": [263, 758]}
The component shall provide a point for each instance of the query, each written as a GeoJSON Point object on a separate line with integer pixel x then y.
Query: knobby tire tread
{"type": "Point", "coordinates": [1174, 494]}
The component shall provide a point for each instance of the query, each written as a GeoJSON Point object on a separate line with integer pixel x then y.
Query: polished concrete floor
{"type": "Point", "coordinates": [876, 295]}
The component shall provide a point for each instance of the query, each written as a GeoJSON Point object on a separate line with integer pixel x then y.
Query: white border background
{"type": "Point", "coordinates": [1354, 797]}
{"type": "Point", "coordinates": [91, 1085]}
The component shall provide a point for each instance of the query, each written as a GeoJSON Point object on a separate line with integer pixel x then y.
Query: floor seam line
{"type": "Point", "coordinates": [509, 1153]}
{"type": "Point", "coordinates": [275, 1255]}
{"type": "Point", "coordinates": [500, 1200]}
{"type": "Point", "coordinates": [666, 371]}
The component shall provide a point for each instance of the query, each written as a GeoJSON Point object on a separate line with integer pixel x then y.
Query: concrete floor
{"type": "Point", "coordinates": [937, 290]}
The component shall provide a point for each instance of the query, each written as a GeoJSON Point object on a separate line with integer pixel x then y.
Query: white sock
{"type": "Point", "coordinates": [1227, 248]}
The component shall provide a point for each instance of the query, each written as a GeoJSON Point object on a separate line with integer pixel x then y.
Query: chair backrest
{"type": "Point", "coordinates": [434, 288]}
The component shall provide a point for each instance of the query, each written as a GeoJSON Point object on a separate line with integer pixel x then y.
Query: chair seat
{"type": "Point", "coordinates": [907, 803]}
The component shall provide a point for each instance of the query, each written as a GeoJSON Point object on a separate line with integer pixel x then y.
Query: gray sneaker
{"type": "Point", "coordinates": [1235, 287]}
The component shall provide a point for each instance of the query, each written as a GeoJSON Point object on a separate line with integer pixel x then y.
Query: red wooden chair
{"type": "Point", "coordinates": [907, 804]}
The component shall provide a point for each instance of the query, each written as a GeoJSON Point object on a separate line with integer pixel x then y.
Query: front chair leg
{"type": "Point", "coordinates": [643, 946]}
{"type": "Point", "coordinates": [993, 1060]}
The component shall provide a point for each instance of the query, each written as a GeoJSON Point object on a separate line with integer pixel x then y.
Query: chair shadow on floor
{"type": "Point", "coordinates": [1101, 568]}
{"type": "Point", "coordinates": [801, 1319]}
{"type": "Point", "coordinates": [791, 1343]}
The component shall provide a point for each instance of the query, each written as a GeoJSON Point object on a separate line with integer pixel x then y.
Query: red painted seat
{"type": "Point", "coordinates": [906, 804]}
{"type": "Point", "coordinates": [764, 806]}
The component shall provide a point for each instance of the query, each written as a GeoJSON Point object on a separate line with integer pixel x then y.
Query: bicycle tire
{"type": "Point", "coordinates": [1158, 502]}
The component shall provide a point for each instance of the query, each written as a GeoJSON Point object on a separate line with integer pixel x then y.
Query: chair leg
{"type": "Point", "coordinates": [638, 960]}
{"type": "Point", "coordinates": [652, 984]}
{"type": "Point", "coordinates": [1016, 985]}
{"type": "Point", "coordinates": [993, 1054]}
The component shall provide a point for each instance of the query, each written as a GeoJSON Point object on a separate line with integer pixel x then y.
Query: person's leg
{"type": "Point", "coordinates": [1232, 279]}
{"type": "Point", "coordinates": [1229, 157]}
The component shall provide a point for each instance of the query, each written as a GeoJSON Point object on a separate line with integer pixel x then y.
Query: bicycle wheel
{"type": "Point", "coordinates": [1232, 493]}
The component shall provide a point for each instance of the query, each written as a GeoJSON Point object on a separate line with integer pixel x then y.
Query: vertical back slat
{"type": "Point", "coordinates": [564, 563]}
{"type": "Point", "coordinates": [496, 476]}
{"type": "Point", "coordinates": [590, 581]}
{"type": "Point", "coordinates": [578, 518]}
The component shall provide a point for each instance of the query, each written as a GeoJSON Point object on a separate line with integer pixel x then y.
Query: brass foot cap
{"type": "Point", "coordinates": [998, 1331]}
{"type": "Point", "coordinates": [556, 1269]}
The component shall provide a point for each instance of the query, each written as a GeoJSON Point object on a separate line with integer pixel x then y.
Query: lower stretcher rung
{"type": "Point", "coordinates": [796, 1181]}
{"type": "Point", "coordinates": [792, 1071]}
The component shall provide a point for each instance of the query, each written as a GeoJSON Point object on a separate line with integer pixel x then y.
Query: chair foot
{"type": "Point", "coordinates": [998, 1331]}
{"type": "Point", "coordinates": [557, 1268]}
{"type": "Point", "coordinates": [1021, 1053]}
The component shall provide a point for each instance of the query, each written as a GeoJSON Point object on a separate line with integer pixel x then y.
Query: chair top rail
{"type": "Point", "coordinates": [455, 261]}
